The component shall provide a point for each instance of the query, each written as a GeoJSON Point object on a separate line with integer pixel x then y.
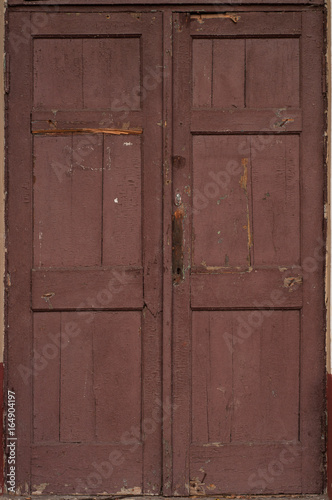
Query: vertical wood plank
{"type": "Point", "coordinates": [181, 291]}
{"type": "Point", "coordinates": [58, 73]}
{"type": "Point", "coordinates": [77, 400]}
{"type": "Point", "coordinates": [122, 195]}
{"type": "Point", "coordinates": [211, 377]}
{"type": "Point", "coordinates": [111, 69]}
{"type": "Point", "coordinates": [266, 369]}
{"type": "Point", "coordinates": [167, 256]}
{"type": "Point", "coordinates": [117, 375]}
{"type": "Point", "coordinates": [202, 73]}
{"type": "Point", "coordinates": [276, 200]}
{"type": "Point", "coordinates": [221, 233]}
{"type": "Point", "coordinates": [228, 73]}
{"type": "Point", "coordinates": [272, 73]}
{"type": "Point", "coordinates": [312, 255]}
{"type": "Point", "coordinates": [68, 175]}
{"type": "Point", "coordinates": [152, 251]}
{"type": "Point", "coordinates": [19, 243]}
{"type": "Point", "coordinates": [46, 387]}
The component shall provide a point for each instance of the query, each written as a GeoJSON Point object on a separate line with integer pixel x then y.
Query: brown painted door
{"type": "Point", "coordinates": [196, 367]}
{"type": "Point", "coordinates": [248, 297]}
{"type": "Point", "coordinates": [85, 160]}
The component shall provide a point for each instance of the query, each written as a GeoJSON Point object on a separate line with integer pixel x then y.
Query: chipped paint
{"type": "Point", "coordinates": [211, 486]}
{"type": "Point", "coordinates": [196, 487]}
{"type": "Point", "coordinates": [244, 176]}
{"type": "Point", "coordinates": [187, 190]}
{"type": "Point", "coordinates": [47, 297]}
{"type": "Point", "coordinates": [291, 281]}
{"type": "Point", "coordinates": [222, 198]}
{"type": "Point", "coordinates": [201, 17]}
{"type": "Point", "coordinates": [284, 122]}
{"type": "Point", "coordinates": [136, 490]}
{"type": "Point", "coordinates": [244, 185]}
{"type": "Point", "coordinates": [178, 245]}
{"type": "Point", "coordinates": [38, 489]}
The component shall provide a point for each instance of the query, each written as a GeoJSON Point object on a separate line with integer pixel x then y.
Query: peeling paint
{"type": "Point", "coordinates": [38, 489]}
{"type": "Point", "coordinates": [285, 121]}
{"type": "Point", "coordinates": [291, 281]}
{"type": "Point", "coordinates": [211, 486]}
{"type": "Point", "coordinates": [47, 297]}
{"type": "Point", "coordinates": [244, 185]}
{"type": "Point", "coordinates": [136, 490]}
{"type": "Point", "coordinates": [244, 176]}
{"type": "Point", "coordinates": [178, 245]}
{"type": "Point", "coordinates": [197, 487]}
{"type": "Point", "coordinates": [222, 198]}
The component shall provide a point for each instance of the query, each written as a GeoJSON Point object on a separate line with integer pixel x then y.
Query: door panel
{"type": "Point", "coordinates": [247, 321]}
{"type": "Point", "coordinates": [92, 208]}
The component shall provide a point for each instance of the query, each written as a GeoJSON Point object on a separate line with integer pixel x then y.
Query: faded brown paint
{"type": "Point", "coordinates": [223, 427]}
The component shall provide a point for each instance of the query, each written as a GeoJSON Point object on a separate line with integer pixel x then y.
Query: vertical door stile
{"type": "Point", "coordinates": [182, 215]}
{"type": "Point", "coordinates": [167, 127]}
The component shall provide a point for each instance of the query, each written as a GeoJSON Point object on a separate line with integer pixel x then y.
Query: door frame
{"type": "Point", "coordinates": [167, 284]}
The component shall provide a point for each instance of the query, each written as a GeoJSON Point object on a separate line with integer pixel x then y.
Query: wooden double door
{"type": "Point", "coordinates": [165, 252]}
